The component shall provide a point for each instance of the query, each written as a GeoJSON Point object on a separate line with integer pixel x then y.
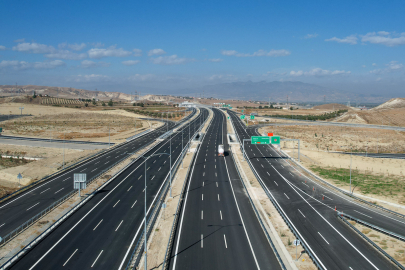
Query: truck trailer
{"type": "Point", "coordinates": [220, 150]}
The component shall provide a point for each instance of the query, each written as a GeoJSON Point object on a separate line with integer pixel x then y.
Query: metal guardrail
{"type": "Point", "coordinates": [280, 211]}
{"type": "Point", "coordinates": [38, 216]}
{"type": "Point", "coordinates": [135, 257]}
{"type": "Point", "coordinates": [138, 135]}
{"type": "Point", "coordinates": [60, 220]}
{"type": "Point", "coordinates": [345, 192]}
{"type": "Point", "coordinates": [259, 218]}
{"type": "Point", "coordinates": [384, 231]}
{"type": "Point", "coordinates": [83, 160]}
{"type": "Point", "coordinates": [372, 243]}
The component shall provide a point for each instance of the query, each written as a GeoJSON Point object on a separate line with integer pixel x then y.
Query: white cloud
{"type": "Point", "coordinates": [156, 52]}
{"type": "Point", "coordinates": [68, 55]}
{"type": "Point", "coordinates": [364, 66]}
{"type": "Point", "coordinates": [137, 52]}
{"type": "Point", "coordinates": [170, 60]}
{"type": "Point", "coordinates": [374, 64]}
{"type": "Point", "coordinates": [97, 44]}
{"type": "Point", "coordinates": [223, 78]}
{"type": "Point", "coordinates": [34, 48]}
{"type": "Point", "coordinates": [130, 62]}
{"type": "Point", "coordinates": [142, 77]}
{"type": "Point", "coordinates": [392, 66]}
{"type": "Point", "coordinates": [20, 65]}
{"type": "Point", "coordinates": [216, 60]}
{"type": "Point", "coordinates": [311, 36]}
{"type": "Point", "coordinates": [109, 52]}
{"type": "Point", "coordinates": [19, 40]}
{"type": "Point", "coordinates": [384, 38]}
{"type": "Point", "coordinates": [92, 64]}
{"type": "Point", "coordinates": [318, 72]}
{"type": "Point", "coordinates": [76, 47]}
{"type": "Point", "coordinates": [349, 39]}
{"type": "Point", "coordinates": [272, 53]}
{"type": "Point", "coordinates": [2, 48]}
{"type": "Point", "coordinates": [91, 78]}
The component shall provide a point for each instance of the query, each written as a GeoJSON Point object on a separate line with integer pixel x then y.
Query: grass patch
{"type": "Point", "coordinates": [365, 182]}
{"type": "Point", "coordinates": [11, 162]}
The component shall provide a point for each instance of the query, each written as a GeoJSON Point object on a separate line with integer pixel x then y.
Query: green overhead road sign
{"type": "Point", "coordinates": [275, 139]}
{"type": "Point", "coordinates": [228, 117]}
{"type": "Point", "coordinates": [252, 117]}
{"type": "Point", "coordinates": [260, 140]}
{"type": "Point", "coordinates": [230, 108]}
{"type": "Point", "coordinates": [242, 116]}
{"type": "Point", "coordinates": [1, 129]}
{"type": "Point", "coordinates": [242, 111]}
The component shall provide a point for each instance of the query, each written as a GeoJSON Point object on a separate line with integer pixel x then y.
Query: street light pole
{"type": "Point", "coordinates": [63, 150]}
{"type": "Point", "coordinates": [182, 160]}
{"type": "Point", "coordinates": [145, 248]}
{"type": "Point", "coordinates": [351, 151]}
{"type": "Point", "coordinates": [170, 165]}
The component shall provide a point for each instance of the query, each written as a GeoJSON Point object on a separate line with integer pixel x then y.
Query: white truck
{"type": "Point", "coordinates": [220, 150]}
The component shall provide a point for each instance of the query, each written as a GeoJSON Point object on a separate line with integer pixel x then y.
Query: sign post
{"type": "Point", "coordinates": [19, 176]}
{"type": "Point", "coordinates": [296, 243]}
{"type": "Point", "coordinates": [260, 140]}
{"type": "Point", "coordinates": [79, 181]}
{"type": "Point", "coordinates": [21, 108]}
{"type": "Point", "coordinates": [275, 139]}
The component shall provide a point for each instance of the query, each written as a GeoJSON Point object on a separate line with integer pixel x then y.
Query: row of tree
{"type": "Point", "coordinates": [324, 116]}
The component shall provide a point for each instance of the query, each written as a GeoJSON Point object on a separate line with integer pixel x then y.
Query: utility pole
{"type": "Point", "coordinates": [351, 151]}
{"type": "Point", "coordinates": [63, 150]}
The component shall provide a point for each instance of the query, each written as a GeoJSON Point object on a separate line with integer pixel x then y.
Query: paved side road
{"type": "Point", "coordinates": [218, 228]}
{"type": "Point", "coordinates": [53, 144]}
{"type": "Point", "coordinates": [311, 209]}
{"type": "Point", "coordinates": [20, 208]}
{"type": "Point", "coordinates": [104, 231]}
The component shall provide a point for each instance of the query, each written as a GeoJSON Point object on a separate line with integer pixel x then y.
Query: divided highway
{"type": "Point", "coordinates": [310, 207]}
{"type": "Point", "coordinates": [22, 207]}
{"type": "Point", "coordinates": [217, 227]}
{"type": "Point", "coordinates": [103, 232]}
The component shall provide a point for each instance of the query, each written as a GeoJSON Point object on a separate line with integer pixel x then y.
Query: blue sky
{"type": "Point", "coordinates": [130, 45]}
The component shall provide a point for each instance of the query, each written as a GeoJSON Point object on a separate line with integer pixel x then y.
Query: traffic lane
{"type": "Point", "coordinates": [213, 196]}
{"type": "Point", "coordinates": [264, 253]}
{"type": "Point", "coordinates": [333, 254]}
{"type": "Point", "coordinates": [29, 200]}
{"type": "Point", "coordinates": [282, 196]}
{"type": "Point", "coordinates": [107, 203]}
{"type": "Point", "coordinates": [348, 205]}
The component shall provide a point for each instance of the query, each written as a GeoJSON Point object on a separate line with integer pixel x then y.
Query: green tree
{"type": "Point", "coordinates": [102, 103]}
{"type": "Point", "coordinates": [86, 104]}
{"type": "Point", "coordinates": [110, 103]}
{"type": "Point", "coordinates": [34, 95]}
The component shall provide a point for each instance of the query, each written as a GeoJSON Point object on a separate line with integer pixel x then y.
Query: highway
{"type": "Point", "coordinates": [22, 207]}
{"type": "Point", "coordinates": [218, 228]}
{"type": "Point", "coordinates": [103, 232]}
{"type": "Point", "coordinates": [310, 207]}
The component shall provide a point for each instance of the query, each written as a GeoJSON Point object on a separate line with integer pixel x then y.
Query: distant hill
{"type": "Point", "coordinates": [392, 104]}
{"type": "Point", "coordinates": [72, 93]}
{"type": "Point", "coordinates": [278, 91]}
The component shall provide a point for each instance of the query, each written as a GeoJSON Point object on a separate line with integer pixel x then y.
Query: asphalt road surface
{"type": "Point", "coordinates": [218, 228]}
{"type": "Point", "coordinates": [311, 209]}
{"type": "Point", "coordinates": [103, 232]}
{"type": "Point", "coordinates": [6, 117]}
{"type": "Point", "coordinates": [20, 208]}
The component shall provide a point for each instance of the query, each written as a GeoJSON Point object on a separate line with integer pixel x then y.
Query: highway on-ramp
{"type": "Point", "coordinates": [217, 227]}
{"type": "Point", "coordinates": [22, 207]}
{"type": "Point", "coordinates": [310, 207]}
{"type": "Point", "coordinates": [103, 232]}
